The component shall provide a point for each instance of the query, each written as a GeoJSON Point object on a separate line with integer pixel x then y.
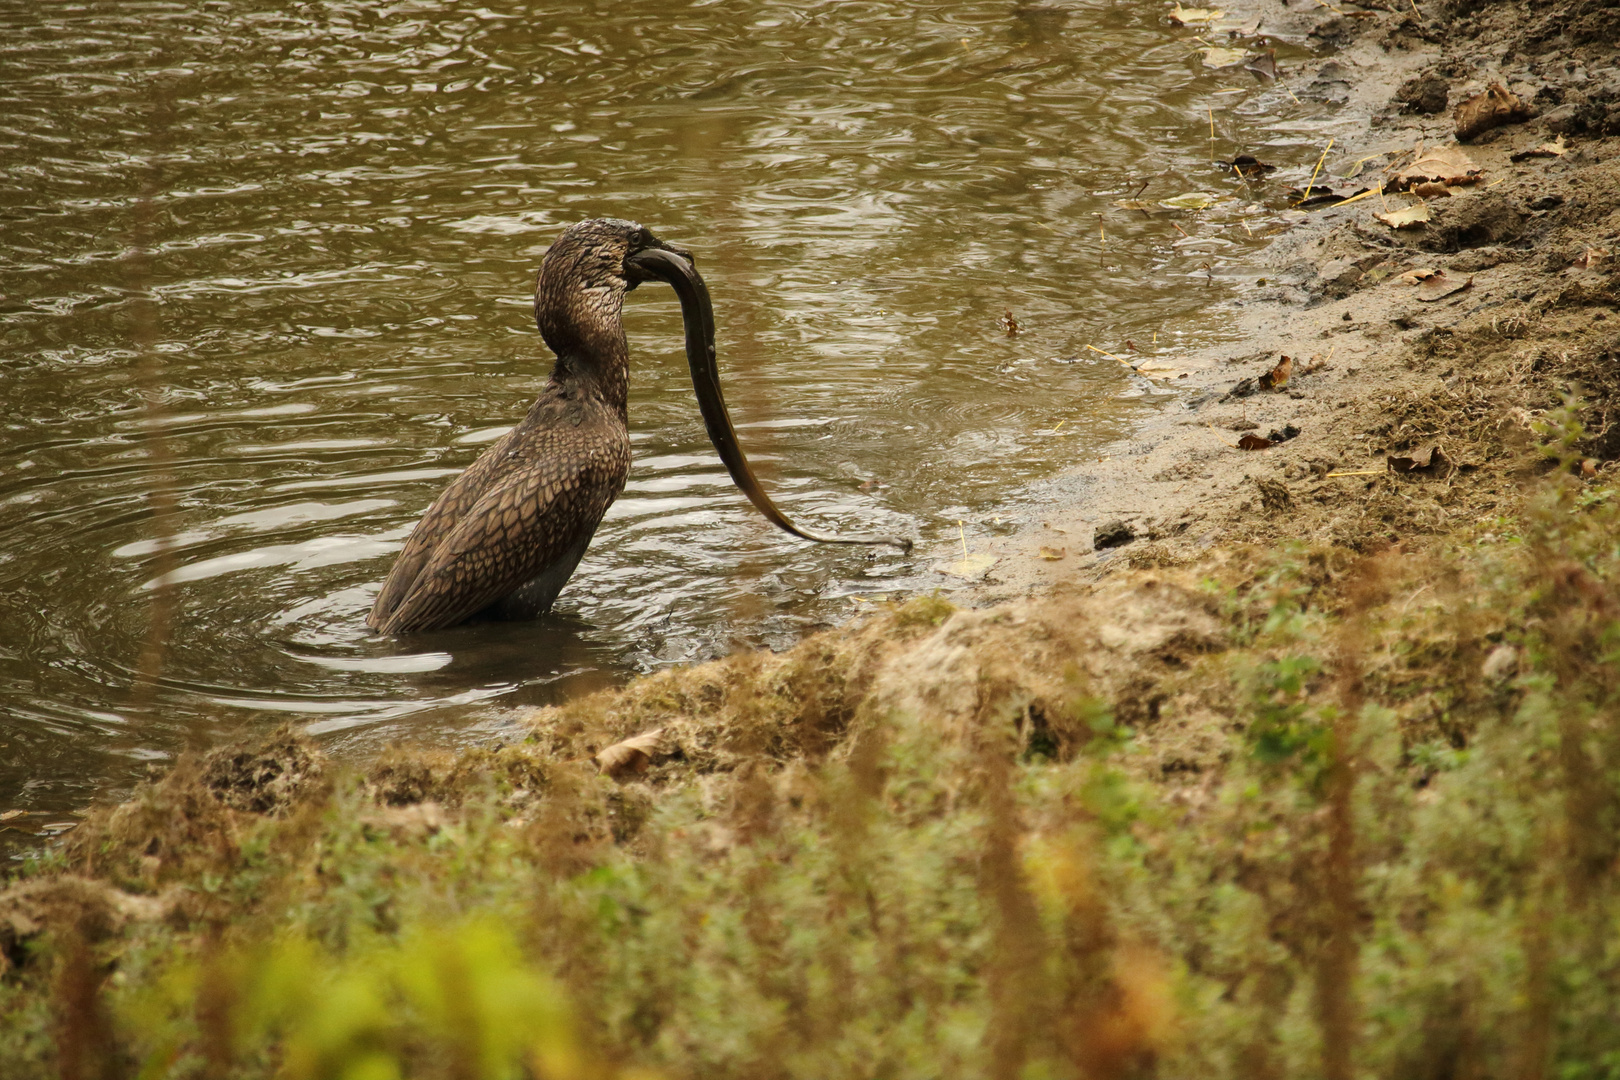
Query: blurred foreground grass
{"type": "Point", "coordinates": [1366, 823]}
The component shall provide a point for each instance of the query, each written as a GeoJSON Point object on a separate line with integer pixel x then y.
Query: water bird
{"type": "Point", "coordinates": [505, 536]}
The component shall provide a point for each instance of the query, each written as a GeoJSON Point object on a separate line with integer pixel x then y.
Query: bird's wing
{"type": "Point", "coordinates": [524, 522]}
{"type": "Point", "coordinates": [441, 518]}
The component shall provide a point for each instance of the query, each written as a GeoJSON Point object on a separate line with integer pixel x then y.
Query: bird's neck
{"type": "Point", "coordinates": [593, 358]}
{"type": "Point", "coordinates": [605, 378]}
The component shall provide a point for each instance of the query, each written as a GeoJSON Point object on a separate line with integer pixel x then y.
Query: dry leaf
{"type": "Point", "coordinates": [1430, 461]}
{"type": "Point", "coordinates": [1439, 286]}
{"type": "Point", "coordinates": [1217, 56]}
{"type": "Point", "coordinates": [1412, 277]}
{"type": "Point", "coordinates": [1135, 204]}
{"type": "Point", "coordinates": [630, 757]}
{"type": "Point", "coordinates": [1277, 377]}
{"type": "Point", "coordinates": [1590, 258]}
{"type": "Point", "coordinates": [1546, 149]}
{"type": "Point", "coordinates": [1051, 554]}
{"type": "Point", "coordinates": [1183, 16]}
{"type": "Point", "coordinates": [1495, 107]}
{"type": "Point", "coordinates": [969, 566]}
{"type": "Point", "coordinates": [1409, 218]}
{"type": "Point", "coordinates": [1254, 442]}
{"type": "Point", "coordinates": [1449, 165]}
{"type": "Point", "coordinates": [1249, 167]}
{"type": "Point", "coordinates": [9, 814]}
{"type": "Point", "coordinates": [1264, 66]}
{"type": "Point", "coordinates": [1431, 189]}
{"type": "Point", "coordinates": [1588, 470]}
{"type": "Point", "coordinates": [1192, 200]}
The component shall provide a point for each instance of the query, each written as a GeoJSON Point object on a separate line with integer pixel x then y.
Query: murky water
{"type": "Point", "coordinates": [345, 203]}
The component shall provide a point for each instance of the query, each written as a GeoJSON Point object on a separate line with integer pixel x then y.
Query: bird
{"type": "Point", "coordinates": [504, 538]}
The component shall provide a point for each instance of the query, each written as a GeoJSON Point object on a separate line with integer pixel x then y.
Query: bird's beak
{"type": "Point", "coordinates": [677, 267]}
{"type": "Point", "coordinates": [638, 270]}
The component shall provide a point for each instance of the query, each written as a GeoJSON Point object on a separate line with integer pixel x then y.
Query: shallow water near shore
{"type": "Point", "coordinates": [342, 208]}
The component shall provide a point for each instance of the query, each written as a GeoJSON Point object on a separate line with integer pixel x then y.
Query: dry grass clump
{"type": "Point", "coordinates": [1316, 814]}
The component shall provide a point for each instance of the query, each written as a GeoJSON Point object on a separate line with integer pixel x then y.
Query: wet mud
{"type": "Point", "coordinates": [1382, 367]}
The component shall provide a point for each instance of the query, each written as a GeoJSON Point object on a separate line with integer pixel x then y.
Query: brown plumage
{"type": "Point", "coordinates": [506, 534]}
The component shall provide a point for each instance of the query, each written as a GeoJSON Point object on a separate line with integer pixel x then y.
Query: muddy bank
{"type": "Point", "coordinates": [1407, 414]}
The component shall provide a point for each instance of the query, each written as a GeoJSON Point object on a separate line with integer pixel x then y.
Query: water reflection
{"type": "Point", "coordinates": [352, 199]}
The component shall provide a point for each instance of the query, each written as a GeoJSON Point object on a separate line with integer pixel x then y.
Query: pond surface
{"type": "Point", "coordinates": [264, 289]}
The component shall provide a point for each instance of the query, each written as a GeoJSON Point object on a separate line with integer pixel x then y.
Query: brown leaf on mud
{"type": "Point", "coordinates": [1589, 258]}
{"type": "Point", "coordinates": [1448, 165]}
{"type": "Point", "coordinates": [1428, 462]}
{"type": "Point", "coordinates": [1264, 66]}
{"type": "Point", "coordinates": [1417, 275]}
{"type": "Point", "coordinates": [1496, 106]}
{"type": "Point", "coordinates": [1439, 286]}
{"type": "Point", "coordinates": [1431, 189]}
{"type": "Point", "coordinates": [1409, 218]}
{"type": "Point", "coordinates": [1254, 442]}
{"type": "Point", "coordinates": [1249, 167]}
{"type": "Point", "coordinates": [630, 757]}
{"type": "Point", "coordinates": [1547, 149]}
{"type": "Point", "coordinates": [1277, 377]}
{"type": "Point", "coordinates": [1052, 554]}
{"type": "Point", "coordinates": [1316, 195]}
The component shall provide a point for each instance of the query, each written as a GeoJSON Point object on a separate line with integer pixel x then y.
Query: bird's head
{"type": "Point", "coordinates": [584, 277]}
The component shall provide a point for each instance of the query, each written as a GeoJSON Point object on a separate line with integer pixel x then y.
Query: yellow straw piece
{"type": "Point", "coordinates": [1110, 355]}
{"type": "Point", "coordinates": [1314, 172]}
{"type": "Point", "coordinates": [1359, 472]}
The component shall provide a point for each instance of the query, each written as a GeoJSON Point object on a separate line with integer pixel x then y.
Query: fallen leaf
{"type": "Point", "coordinates": [1183, 16]}
{"type": "Point", "coordinates": [1248, 166]}
{"type": "Point", "coordinates": [9, 814]}
{"type": "Point", "coordinates": [1051, 554]}
{"type": "Point", "coordinates": [1408, 218]}
{"type": "Point", "coordinates": [1192, 200]}
{"type": "Point", "coordinates": [632, 756]}
{"type": "Point", "coordinates": [1439, 286]}
{"type": "Point", "coordinates": [1277, 377]}
{"type": "Point", "coordinates": [1430, 461]}
{"type": "Point", "coordinates": [1496, 106]}
{"type": "Point", "coordinates": [1412, 277]}
{"type": "Point", "coordinates": [1009, 323]}
{"type": "Point", "coordinates": [1264, 66]}
{"type": "Point", "coordinates": [1431, 189]}
{"type": "Point", "coordinates": [1217, 56]}
{"type": "Point", "coordinates": [1590, 258]}
{"type": "Point", "coordinates": [1449, 165]}
{"type": "Point", "coordinates": [1546, 149]}
{"type": "Point", "coordinates": [969, 566]}
{"type": "Point", "coordinates": [1254, 442]}
{"type": "Point", "coordinates": [1135, 204]}
{"type": "Point", "coordinates": [1588, 470]}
